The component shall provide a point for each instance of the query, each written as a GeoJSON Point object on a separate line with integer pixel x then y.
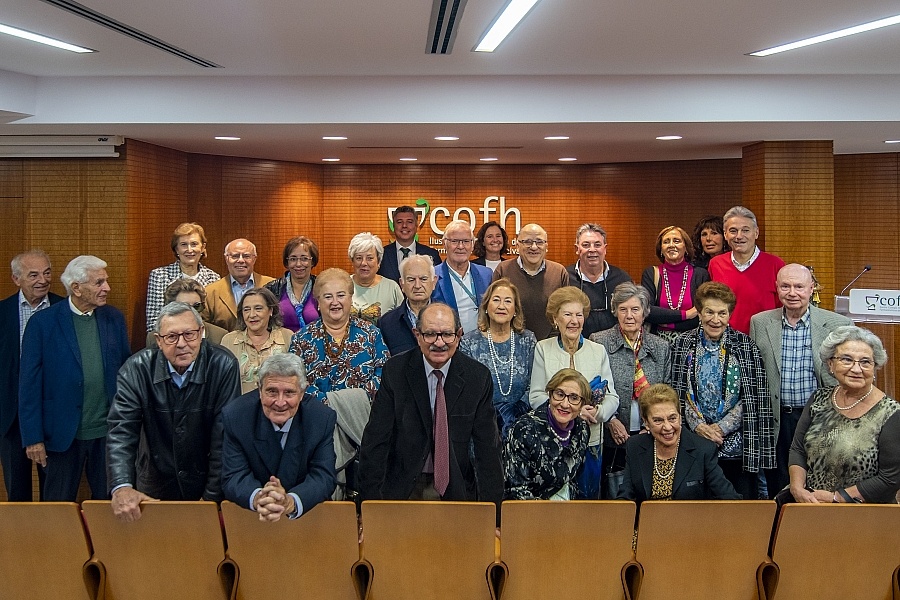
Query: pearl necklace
{"type": "Point", "coordinates": [684, 279]}
{"type": "Point", "coordinates": [671, 472]}
{"type": "Point", "coordinates": [562, 438]}
{"type": "Point", "coordinates": [863, 397]}
{"type": "Point", "coordinates": [495, 358]}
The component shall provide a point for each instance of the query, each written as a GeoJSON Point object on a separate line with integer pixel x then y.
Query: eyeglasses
{"type": "Point", "coordinates": [172, 338]}
{"type": "Point", "coordinates": [537, 243]}
{"type": "Point", "coordinates": [304, 260]}
{"type": "Point", "coordinates": [864, 363]}
{"type": "Point", "coordinates": [453, 242]}
{"type": "Point", "coordinates": [573, 399]}
{"type": "Point", "coordinates": [237, 256]}
{"type": "Point", "coordinates": [198, 306]}
{"type": "Point", "coordinates": [432, 336]}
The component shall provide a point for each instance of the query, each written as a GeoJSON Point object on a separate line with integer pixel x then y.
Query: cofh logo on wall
{"type": "Point", "coordinates": [493, 209]}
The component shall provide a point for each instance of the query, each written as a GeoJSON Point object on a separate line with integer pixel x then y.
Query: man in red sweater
{"type": "Point", "coordinates": [747, 270]}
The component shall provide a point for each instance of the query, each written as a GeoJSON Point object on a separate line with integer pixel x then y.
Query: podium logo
{"type": "Point", "coordinates": [442, 213]}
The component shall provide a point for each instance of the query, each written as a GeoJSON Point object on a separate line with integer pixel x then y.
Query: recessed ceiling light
{"type": "Point", "coordinates": [334, 137]}
{"type": "Point", "coordinates": [42, 39]}
{"type": "Point", "coordinates": [409, 159]}
{"type": "Point", "coordinates": [489, 159]}
{"type": "Point", "coordinates": [829, 36]}
{"type": "Point", "coordinates": [331, 160]}
{"type": "Point", "coordinates": [446, 138]}
{"type": "Point", "coordinates": [556, 137]}
{"type": "Point", "coordinates": [503, 25]}
{"type": "Point", "coordinates": [229, 138]}
{"type": "Point", "coordinates": [668, 137]}
{"type": "Point", "coordinates": [892, 141]}
{"type": "Point", "coordinates": [567, 159]}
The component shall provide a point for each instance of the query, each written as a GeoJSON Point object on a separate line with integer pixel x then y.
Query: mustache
{"type": "Point", "coordinates": [436, 348]}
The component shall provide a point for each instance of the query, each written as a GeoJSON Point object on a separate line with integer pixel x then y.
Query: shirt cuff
{"type": "Point", "coordinates": [253, 499]}
{"type": "Point", "coordinates": [298, 507]}
{"type": "Point", "coordinates": [121, 485]}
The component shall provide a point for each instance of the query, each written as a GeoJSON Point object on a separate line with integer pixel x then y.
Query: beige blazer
{"type": "Point", "coordinates": [221, 309]}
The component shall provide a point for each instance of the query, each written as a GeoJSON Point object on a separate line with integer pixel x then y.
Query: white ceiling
{"type": "Point", "coordinates": [612, 74]}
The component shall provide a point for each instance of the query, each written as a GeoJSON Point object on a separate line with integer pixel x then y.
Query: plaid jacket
{"type": "Point", "coordinates": [758, 421]}
{"type": "Point", "coordinates": [160, 278]}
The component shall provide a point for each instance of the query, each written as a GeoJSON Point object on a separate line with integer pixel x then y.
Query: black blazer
{"type": "Point", "coordinates": [396, 329]}
{"type": "Point", "coordinates": [399, 435]}
{"type": "Point", "coordinates": [697, 472]}
{"type": "Point", "coordinates": [9, 359]}
{"type": "Point", "coordinates": [391, 269]}
{"type": "Point", "coordinates": [251, 451]}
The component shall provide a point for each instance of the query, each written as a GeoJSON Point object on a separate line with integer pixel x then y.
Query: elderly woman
{"type": "Point", "coordinates": [709, 240]}
{"type": "Point", "coordinates": [671, 463]}
{"type": "Point", "coordinates": [505, 347]}
{"type": "Point", "coordinates": [719, 376]}
{"type": "Point", "coordinates": [545, 448]}
{"type": "Point", "coordinates": [259, 334]}
{"type": "Point", "coordinates": [847, 444]}
{"type": "Point", "coordinates": [566, 309]}
{"type": "Point", "coordinates": [638, 359]}
{"type": "Point", "coordinates": [491, 244]}
{"type": "Point", "coordinates": [673, 283]}
{"type": "Point", "coordinates": [373, 295]}
{"type": "Point", "coordinates": [340, 351]}
{"type": "Point", "coordinates": [294, 290]}
{"type": "Point", "coordinates": [191, 293]}
{"type": "Point", "coordinates": [189, 247]}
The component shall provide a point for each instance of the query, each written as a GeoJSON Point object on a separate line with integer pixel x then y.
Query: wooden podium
{"type": "Point", "coordinates": [885, 326]}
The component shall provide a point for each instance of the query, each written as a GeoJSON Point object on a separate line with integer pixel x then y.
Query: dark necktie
{"type": "Point", "coordinates": [441, 438]}
{"type": "Point", "coordinates": [405, 253]}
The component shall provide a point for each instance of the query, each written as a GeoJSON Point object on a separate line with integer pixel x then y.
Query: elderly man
{"type": "Point", "coordinates": [789, 339]}
{"type": "Point", "coordinates": [223, 296]}
{"type": "Point", "coordinates": [71, 353]}
{"type": "Point", "coordinates": [535, 277]}
{"type": "Point", "coordinates": [166, 409]}
{"type": "Point", "coordinates": [595, 277]}
{"type": "Point", "coordinates": [32, 275]}
{"type": "Point", "coordinates": [460, 283]}
{"type": "Point", "coordinates": [417, 279]}
{"type": "Point", "coordinates": [278, 451]}
{"type": "Point", "coordinates": [432, 433]}
{"type": "Point", "coordinates": [748, 271]}
{"type": "Point", "coordinates": [405, 244]}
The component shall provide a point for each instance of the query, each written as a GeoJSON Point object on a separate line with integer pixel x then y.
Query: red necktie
{"type": "Point", "coordinates": [441, 438]}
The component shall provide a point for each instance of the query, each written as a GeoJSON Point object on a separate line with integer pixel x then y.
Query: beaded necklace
{"type": "Point", "coordinates": [332, 349]}
{"type": "Point", "coordinates": [495, 358]}
{"type": "Point", "coordinates": [684, 282]}
{"type": "Point", "coordinates": [863, 397]}
{"type": "Point", "coordinates": [656, 462]}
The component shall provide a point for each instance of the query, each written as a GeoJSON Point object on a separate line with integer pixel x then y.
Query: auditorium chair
{"type": "Point", "coordinates": [310, 558]}
{"type": "Point", "coordinates": [838, 551]}
{"type": "Point", "coordinates": [173, 551]}
{"type": "Point", "coordinates": [428, 550]}
{"type": "Point", "coordinates": [716, 550]}
{"type": "Point", "coordinates": [43, 552]}
{"type": "Point", "coordinates": [566, 549]}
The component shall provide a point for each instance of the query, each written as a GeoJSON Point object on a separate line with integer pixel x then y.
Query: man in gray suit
{"type": "Point", "coordinates": [789, 339]}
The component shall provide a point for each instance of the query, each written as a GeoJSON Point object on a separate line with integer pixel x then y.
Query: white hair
{"type": "Point", "coordinates": [78, 268]}
{"type": "Point", "coordinates": [16, 265]}
{"type": "Point", "coordinates": [740, 211]}
{"type": "Point", "coordinates": [417, 258]}
{"type": "Point", "coordinates": [363, 242]}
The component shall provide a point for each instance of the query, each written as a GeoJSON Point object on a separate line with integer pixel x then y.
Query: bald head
{"type": "Point", "coordinates": [795, 288]}
{"type": "Point", "coordinates": [532, 246]}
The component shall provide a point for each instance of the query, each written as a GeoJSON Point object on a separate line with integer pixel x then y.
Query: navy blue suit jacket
{"type": "Point", "coordinates": [391, 269]}
{"type": "Point", "coordinates": [9, 359]}
{"type": "Point", "coordinates": [51, 379]}
{"type": "Point", "coordinates": [443, 289]}
{"type": "Point", "coordinates": [251, 452]}
{"type": "Point", "coordinates": [396, 329]}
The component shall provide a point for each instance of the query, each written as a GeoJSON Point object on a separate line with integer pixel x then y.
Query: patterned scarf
{"type": "Point", "coordinates": [640, 380]}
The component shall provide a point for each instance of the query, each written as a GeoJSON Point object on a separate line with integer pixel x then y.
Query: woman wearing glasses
{"type": "Point", "coordinates": [545, 448]}
{"type": "Point", "coordinates": [259, 335]}
{"type": "Point", "coordinates": [294, 290]}
{"type": "Point", "coordinates": [847, 444]}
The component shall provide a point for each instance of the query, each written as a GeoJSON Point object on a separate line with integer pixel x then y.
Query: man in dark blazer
{"type": "Point", "coordinates": [71, 353]}
{"type": "Point", "coordinates": [32, 275]}
{"type": "Point", "coordinates": [417, 282]}
{"type": "Point", "coordinates": [471, 280]}
{"type": "Point", "coordinates": [278, 449]}
{"type": "Point", "coordinates": [397, 455]}
{"type": "Point", "coordinates": [405, 227]}
{"type": "Point", "coordinates": [804, 327]}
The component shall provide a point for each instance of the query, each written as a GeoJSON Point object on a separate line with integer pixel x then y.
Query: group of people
{"type": "Point", "coordinates": [416, 378]}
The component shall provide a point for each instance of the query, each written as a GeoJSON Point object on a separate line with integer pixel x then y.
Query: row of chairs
{"type": "Point", "coordinates": [449, 551]}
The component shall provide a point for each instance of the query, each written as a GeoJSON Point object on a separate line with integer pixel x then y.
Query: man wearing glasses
{"type": "Point", "coordinates": [535, 278]}
{"type": "Point", "coordinates": [461, 284]}
{"type": "Point", "coordinates": [223, 296]}
{"type": "Point", "coordinates": [165, 417]}
{"type": "Point", "coordinates": [434, 405]}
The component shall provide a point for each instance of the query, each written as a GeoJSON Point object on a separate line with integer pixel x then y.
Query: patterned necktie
{"type": "Point", "coordinates": [441, 438]}
{"type": "Point", "coordinates": [405, 253]}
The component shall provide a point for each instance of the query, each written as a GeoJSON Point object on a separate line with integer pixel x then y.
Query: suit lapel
{"type": "Point", "coordinates": [453, 387]}
{"type": "Point", "coordinates": [67, 328]}
{"type": "Point", "coordinates": [645, 458]}
{"type": "Point", "coordinates": [290, 457]}
{"type": "Point", "coordinates": [418, 385]}
{"type": "Point", "coordinates": [684, 462]}
{"type": "Point", "coordinates": [266, 442]}
{"type": "Point", "coordinates": [773, 332]}
{"type": "Point", "coordinates": [818, 333]}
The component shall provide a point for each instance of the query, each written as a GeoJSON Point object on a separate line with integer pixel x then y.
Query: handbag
{"type": "Point", "coordinates": [613, 479]}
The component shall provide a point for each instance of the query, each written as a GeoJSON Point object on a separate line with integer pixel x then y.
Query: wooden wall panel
{"type": "Point", "coordinates": [204, 205]}
{"type": "Point", "coordinates": [12, 204]}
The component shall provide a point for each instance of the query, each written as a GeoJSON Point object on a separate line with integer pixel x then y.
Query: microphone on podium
{"type": "Point", "coordinates": [865, 270]}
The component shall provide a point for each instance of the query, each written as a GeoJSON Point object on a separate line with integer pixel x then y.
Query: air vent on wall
{"type": "Point", "coordinates": [101, 19]}
{"type": "Point", "coordinates": [445, 18]}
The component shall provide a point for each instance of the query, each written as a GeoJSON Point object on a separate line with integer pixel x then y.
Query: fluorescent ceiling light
{"type": "Point", "coordinates": [892, 141]}
{"type": "Point", "coordinates": [446, 138]}
{"type": "Point", "coordinates": [556, 137]}
{"type": "Point", "coordinates": [567, 159]}
{"type": "Point", "coordinates": [514, 12]}
{"type": "Point", "coordinates": [228, 138]}
{"type": "Point", "coordinates": [331, 160]}
{"type": "Point", "coordinates": [409, 159]}
{"type": "Point", "coordinates": [829, 36]}
{"type": "Point", "coordinates": [41, 39]}
{"type": "Point", "coordinates": [489, 159]}
{"type": "Point", "coordinates": [334, 137]}
{"type": "Point", "coordinates": [668, 137]}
